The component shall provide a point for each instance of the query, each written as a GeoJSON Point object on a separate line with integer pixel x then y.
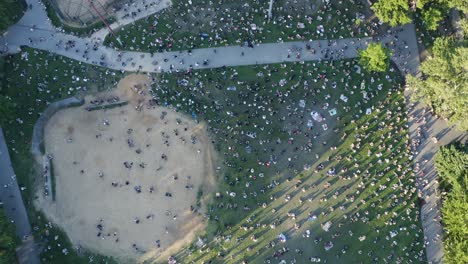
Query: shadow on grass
{"type": "Point", "coordinates": [343, 202]}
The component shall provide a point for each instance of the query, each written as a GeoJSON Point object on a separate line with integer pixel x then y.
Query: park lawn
{"type": "Point", "coordinates": [229, 119]}
{"type": "Point", "coordinates": [8, 239]}
{"type": "Point", "coordinates": [32, 84]}
{"type": "Point", "coordinates": [367, 208]}
{"type": "Point", "coordinates": [177, 29]}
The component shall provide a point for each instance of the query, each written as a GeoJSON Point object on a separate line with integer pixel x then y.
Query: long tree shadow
{"type": "Point", "coordinates": [344, 198]}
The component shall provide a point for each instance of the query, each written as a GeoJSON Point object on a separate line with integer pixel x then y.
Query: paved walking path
{"type": "Point", "coordinates": [45, 37]}
{"type": "Point", "coordinates": [10, 196]}
{"type": "Point", "coordinates": [426, 175]}
{"type": "Point", "coordinates": [402, 42]}
{"type": "Point", "coordinates": [137, 10]}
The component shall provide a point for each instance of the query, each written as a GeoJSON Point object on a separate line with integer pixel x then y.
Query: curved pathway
{"type": "Point", "coordinates": [402, 42]}
{"type": "Point", "coordinates": [36, 31]}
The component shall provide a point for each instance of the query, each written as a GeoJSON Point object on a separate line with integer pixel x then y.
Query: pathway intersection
{"type": "Point", "coordinates": [36, 31]}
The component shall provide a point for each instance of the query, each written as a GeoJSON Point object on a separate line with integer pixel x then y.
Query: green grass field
{"type": "Point", "coordinates": [227, 22]}
{"type": "Point", "coordinates": [373, 197]}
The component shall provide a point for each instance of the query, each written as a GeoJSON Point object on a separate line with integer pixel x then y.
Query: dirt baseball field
{"type": "Point", "coordinates": [128, 179]}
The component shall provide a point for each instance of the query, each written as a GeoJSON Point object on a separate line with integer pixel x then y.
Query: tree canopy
{"type": "Point", "coordinates": [431, 17]}
{"type": "Point", "coordinates": [394, 12]}
{"type": "Point", "coordinates": [444, 86]}
{"type": "Point", "coordinates": [398, 12]}
{"type": "Point", "coordinates": [451, 164]}
{"type": "Point", "coordinates": [375, 57]}
{"type": "Point", "coordinates": [461, 5]}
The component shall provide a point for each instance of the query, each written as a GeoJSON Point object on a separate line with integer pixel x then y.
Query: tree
{"type": "Point", "coordinates": [394, 12]}
{"type": "Point", "coordinates": [397, 12]}
{"type": "Point", "coordinates": [421, 3]}
{"type": "Point", "coordinates": [464, 26]}
{"type": "Point", "coordinates": [461, 5]}
{"type": "Point", "coordinates": [444, 86]}
{"type": "Point", "coordinates": [6, 110]}
{"type": "Point", "coordinates": [455, 221]}
{"type": "Point", "coordinates": [451, 164]}
{"type": "Point", "coordinates": [375, 57]}
{"type": "Point", "coordinates": [431, 17]}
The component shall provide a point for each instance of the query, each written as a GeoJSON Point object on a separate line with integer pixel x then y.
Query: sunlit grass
{"type": "Point", "coordinates": [368, 211]}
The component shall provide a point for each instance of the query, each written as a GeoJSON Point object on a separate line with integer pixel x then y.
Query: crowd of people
{"type": "Point", "coordinates": [205, 24]}
{"type": "Point", "coordinates": [377, 165]}
{"type": "Point", "coordinates": [364, 149]}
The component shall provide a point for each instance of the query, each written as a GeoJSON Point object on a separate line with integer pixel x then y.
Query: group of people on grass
{"type": "Point", "coordinates": [275, 126]}
{"type": "Point", "coordinates": [378, 162]}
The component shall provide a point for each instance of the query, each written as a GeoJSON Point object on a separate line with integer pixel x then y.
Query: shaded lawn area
{"type": "Point", "coordinates": [32, 82]}
{"type": "Point", "coordinates": [227, 22]}
{"type": "Point", "coordinates": [372, 196]}
{"type": "Point", "coordinates": [8, 239]}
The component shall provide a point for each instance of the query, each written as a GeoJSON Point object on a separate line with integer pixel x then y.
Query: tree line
{"type": "Point", "coordinates": [443, 84]}
{"type": "Point", "coordinates": [451, 163]}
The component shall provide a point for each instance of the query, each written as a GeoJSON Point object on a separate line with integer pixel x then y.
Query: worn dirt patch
{"type": "Point", "coordinates": [115, 168]}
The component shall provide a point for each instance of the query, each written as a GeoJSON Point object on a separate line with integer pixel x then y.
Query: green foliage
{"type": "Point", "coordinates": [421, 3]}
{"type": "Point", "coordinates": [451, 164]}
{"type": "Point", "coordinates": [455, 221]}
{"type": "Point", "coordinates": [8, 240]}
{"type": "Point", "coordinates": [445, 82]}
{"type": "Point", "coordinates": [461, 5]}
{"type": "Point", "coordinates": [7, 110]}
{"type": "Point", "coordinates": [464, 26]}
{"type": "Point", "coordinates": [394, 12]}
{"type": "Point", "coordinates": [10, 12]}
{"type": "Point", "coordinates": [375, 57]}
{"type": "Point", "coordinates": [431, 17]}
